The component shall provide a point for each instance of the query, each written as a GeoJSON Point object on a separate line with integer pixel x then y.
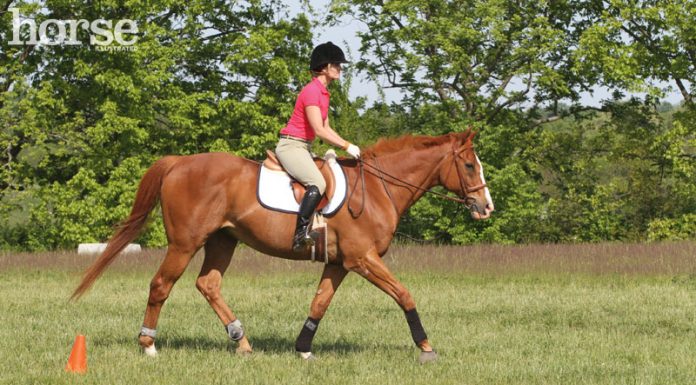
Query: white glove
{"type": "Point", "coordinates": [353, 150]}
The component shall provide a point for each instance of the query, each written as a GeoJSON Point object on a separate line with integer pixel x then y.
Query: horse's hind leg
{"type": "Point", "coordinates": [218, 254]}
{"type": "Point", "coordinates": [172, 267]}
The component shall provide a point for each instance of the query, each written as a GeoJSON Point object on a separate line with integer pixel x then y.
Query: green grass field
{"type": "Point", "coordinates": [592, 314]}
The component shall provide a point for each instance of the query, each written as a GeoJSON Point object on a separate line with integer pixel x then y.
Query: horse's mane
{"type": "Point", "coordinates": [407, 142]}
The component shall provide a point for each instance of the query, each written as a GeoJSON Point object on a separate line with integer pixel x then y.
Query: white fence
{"type": "Point", "coordinates": [97, 248]}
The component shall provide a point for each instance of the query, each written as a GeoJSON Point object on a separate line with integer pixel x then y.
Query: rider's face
{"type": "Point", "coordinates": [333, 71]}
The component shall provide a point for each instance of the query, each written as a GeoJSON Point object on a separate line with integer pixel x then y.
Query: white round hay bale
{"type": "Point", "coordinates": [98, 248]}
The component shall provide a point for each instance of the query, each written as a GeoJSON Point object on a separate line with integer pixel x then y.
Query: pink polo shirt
{"type": "Point", "coordinates": [313, 94]}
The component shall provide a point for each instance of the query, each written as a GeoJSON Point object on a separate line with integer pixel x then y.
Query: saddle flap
{"type": "Point", "coordinates": [299, 190]}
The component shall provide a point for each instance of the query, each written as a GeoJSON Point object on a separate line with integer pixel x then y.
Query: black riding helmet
{"type": "Point", "coordinates": [324, 54]}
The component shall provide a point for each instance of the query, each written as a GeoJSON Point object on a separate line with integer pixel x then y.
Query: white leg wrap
{"type": "Point", "coordinates": [151, 351]}
{"type": "Point", "coordinates": [234, 330]}
{"type": "Point", "coordinates": [148, 332]}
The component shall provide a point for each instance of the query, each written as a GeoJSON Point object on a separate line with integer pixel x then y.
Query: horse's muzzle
{"type": "Point", "coordinates": [478, 213]}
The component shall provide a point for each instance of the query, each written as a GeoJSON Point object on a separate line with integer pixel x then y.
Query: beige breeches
{"type": "Point", "coordinates": [296, 158]}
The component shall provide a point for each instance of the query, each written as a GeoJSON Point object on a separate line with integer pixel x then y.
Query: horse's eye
{"type": "Point", "coordinates": [470, 166]}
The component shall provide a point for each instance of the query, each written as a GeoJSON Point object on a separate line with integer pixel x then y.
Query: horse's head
{"type": "Point", "coordinates": [461, 172]}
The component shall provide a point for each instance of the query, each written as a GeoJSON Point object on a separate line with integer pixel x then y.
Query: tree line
{"type": "Point", "coordinates": [81, 124]}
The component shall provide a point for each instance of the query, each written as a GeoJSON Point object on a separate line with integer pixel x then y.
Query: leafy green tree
{"type": "Point", "coordinates": [475, 59]}
{"type": "Point", "coordinates": [80, 128]}
{"type": "Point", "coordinates": [505, 68]}
{"type": "Point", "coordinates": [631, 44]}
{"type": "Point", "coordinates": [81, 124]}
{"type": "Point", "coordinates": [609, 176]}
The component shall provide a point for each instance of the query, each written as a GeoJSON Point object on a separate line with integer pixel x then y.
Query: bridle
{"type": "Point", "coordinates": [457, 154]}
{"type": "Point", "coordinates": [467, 201]}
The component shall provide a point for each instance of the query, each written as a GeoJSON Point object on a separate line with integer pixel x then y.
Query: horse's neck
{"type": "Point", "coordinates": [417, 168]}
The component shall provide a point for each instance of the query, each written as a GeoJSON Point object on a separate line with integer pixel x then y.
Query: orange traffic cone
{"type": "Point", "coordinates": [77, 363]}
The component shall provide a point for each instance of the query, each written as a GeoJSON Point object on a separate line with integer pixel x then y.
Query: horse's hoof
{"type": "Point", "coordinates": [426, 357]}
{"type": "Point", "coordinates": [150, 351]}
{"type": "Point", "coordinates": [307, 356]}
{"type": "Point", "coordinates": [243, 351]}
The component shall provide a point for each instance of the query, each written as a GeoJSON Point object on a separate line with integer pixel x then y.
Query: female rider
{"type": "Point", "coordinates": [309, 119]}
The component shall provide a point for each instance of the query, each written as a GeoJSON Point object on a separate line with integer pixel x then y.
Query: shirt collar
{"type": "Point", "coordinates": [321, 86]}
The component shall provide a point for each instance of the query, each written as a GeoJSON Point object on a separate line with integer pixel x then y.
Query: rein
{"type": "Point", "coordinates": [439, 195]}
{"type": "Point", "coordinates": [466, 201]}
{"type": "Point", "coordinates": [362, 178]}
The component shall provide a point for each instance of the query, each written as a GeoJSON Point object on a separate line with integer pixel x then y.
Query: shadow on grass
{"type": "Point", "coordinates": [173, 343]}
{"type": "Point", "coordinates": [260, 344]}
{"type": "Point", "coordinates": [276, 344]}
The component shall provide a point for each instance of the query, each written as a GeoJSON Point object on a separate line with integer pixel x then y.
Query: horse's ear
{"type": "Point", "coordinates": [467, 136]}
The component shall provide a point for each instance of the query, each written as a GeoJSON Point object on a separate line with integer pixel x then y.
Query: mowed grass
{"type": "Point", "coordinates": [593, 314]}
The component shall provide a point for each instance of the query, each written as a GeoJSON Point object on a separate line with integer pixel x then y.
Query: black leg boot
{"type": "Point", "coordinates": [304, 218]}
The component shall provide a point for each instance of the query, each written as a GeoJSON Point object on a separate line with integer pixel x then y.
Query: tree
{"type": "Point", "coordinates": [610, 176]}
{"type": "Point", "coordinates": [80, 124]}
{"type": "Point", "coordinates": [632, 44]}
{"type": "Point", "coordinates": [509, 69]}
{"type": "Point", "coordinates": [476, 59]}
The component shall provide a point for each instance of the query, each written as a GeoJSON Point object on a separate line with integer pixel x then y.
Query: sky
{"type": "Point", "coordinates": [344, 34]}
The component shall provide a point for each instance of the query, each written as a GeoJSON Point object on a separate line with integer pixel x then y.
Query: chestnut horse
{"type": "Point", "coordinates": [209, 200]}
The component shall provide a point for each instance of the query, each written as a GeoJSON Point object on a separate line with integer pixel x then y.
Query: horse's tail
{"type": "Point", "coordinates": [145, 200]}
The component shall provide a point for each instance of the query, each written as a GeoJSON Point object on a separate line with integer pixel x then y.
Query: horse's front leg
{"type": "Point", "coordinates": [372, 268]}
{"type": "Point", "coordinates": [331, 278]}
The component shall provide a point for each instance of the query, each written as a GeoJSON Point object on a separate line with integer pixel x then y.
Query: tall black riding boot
{"type": "Point", "coordinates": [304, 217]}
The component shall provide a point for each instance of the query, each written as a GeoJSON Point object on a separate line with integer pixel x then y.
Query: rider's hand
{"type": "Point", "coordinates": [353, 150]}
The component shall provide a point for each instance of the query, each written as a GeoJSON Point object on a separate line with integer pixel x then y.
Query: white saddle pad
{"type": "Point", "coordinates": [275, 190]}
